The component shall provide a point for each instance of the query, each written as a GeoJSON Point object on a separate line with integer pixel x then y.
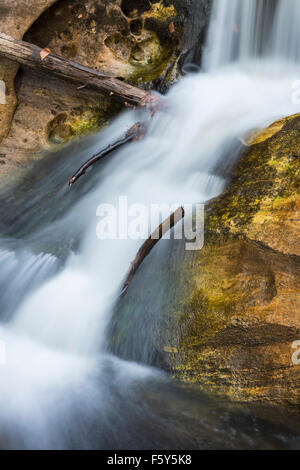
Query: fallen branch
{"type": "Point", "coordinates": [136, 132]}
{"type": "Point", "coordinates": [150, 243]}
{"type": "Point", "coordinates": [32, 56]}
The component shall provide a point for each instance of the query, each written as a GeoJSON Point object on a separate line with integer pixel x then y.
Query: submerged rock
{"type": "Point", "coordinates": [227, 317]}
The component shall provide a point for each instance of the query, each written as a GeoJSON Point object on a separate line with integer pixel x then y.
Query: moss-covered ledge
{"type": "Point", "coordinates": [262, 200]}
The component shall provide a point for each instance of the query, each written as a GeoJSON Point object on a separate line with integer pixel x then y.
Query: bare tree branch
{"type": "Point", "coordinates": [136, 132]}
{"type": "Point", "coordinates": [150, 243]}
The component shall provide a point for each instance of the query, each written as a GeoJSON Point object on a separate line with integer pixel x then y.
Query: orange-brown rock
{"type": "Point", "coordinates": [227, 318]}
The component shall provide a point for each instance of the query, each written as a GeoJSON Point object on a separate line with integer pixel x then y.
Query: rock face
{"type": "Point", "coordinates": [139, 41]}
{"type": "Point", "coordinates": [16, 16]}
{"type": "Point", "coordinates": [243, 314]}
{"type": "Point", "coordinates": [228, 315]}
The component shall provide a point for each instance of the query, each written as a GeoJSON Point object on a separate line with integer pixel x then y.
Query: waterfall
{"type": "Point", "coordinates": [253, 29]}
{"type": "Point", "coordinates": [59, 382]}
{"type": "Point", "coordinates": [239, 31]}
{"type": "Point", "coordinates": [286, 31]}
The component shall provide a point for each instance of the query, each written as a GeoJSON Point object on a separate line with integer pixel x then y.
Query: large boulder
{"type": "Point", "coordinates": [226, 318]}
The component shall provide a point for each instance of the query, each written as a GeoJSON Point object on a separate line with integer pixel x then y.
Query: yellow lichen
{"type": "Point", "coordinates": [260, 135]}
{"type": "Point", "coordinates": [161, 12]}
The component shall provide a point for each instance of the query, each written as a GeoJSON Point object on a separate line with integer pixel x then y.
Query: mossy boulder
{"type": "Point", "coordinates": [241, 318]}
{"type": "Point", "coordinates": [225, 318]}
{"type": "Point", "coordinates": [263, 198]}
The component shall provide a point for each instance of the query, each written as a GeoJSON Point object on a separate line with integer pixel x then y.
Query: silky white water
{"type": "Point", "coordinates": [56, 329]}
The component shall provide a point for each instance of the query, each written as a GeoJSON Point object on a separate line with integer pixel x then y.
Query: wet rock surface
{"type": "Point", "coordinates": [226, 318]}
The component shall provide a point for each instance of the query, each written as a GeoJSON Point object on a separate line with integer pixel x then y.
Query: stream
{"type": "Point", "coordinates": [60, 387]}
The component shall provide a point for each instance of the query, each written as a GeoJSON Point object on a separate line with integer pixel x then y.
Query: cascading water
{"type": "Point", "coordinates": [285, 42]}
{"type": "Point", "coordinates": [239, 31]}
{"type": "Point", "coordinates": [242, 31]}
{"type": "Point", "coordinates": [59, 388]}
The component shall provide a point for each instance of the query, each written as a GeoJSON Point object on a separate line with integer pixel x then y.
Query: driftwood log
{"type": "Point", "coordinates": [136, 132]}
{"type": "Point", "coordinates": [36, 58]}
{"type": "Point", "coordinates": [150, 243]}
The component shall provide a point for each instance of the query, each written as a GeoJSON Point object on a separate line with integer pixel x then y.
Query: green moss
{"type": "Point", "coordinates": [80, 122]}
{"type": "Point", "coordinates": [152, 67]}
{"type": "Point", "coordinates": [162, 12]}
{"type": "Point", "coordinates": [205, 313]}
{"type": "Point", "coordinates": [150, 59]}
{"type": "Point", "coordinates": [87, 124]}
{"type": "Point", "coordinates": [266, 171]}
{"type": "Point", "coordinates": [154, 52]}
